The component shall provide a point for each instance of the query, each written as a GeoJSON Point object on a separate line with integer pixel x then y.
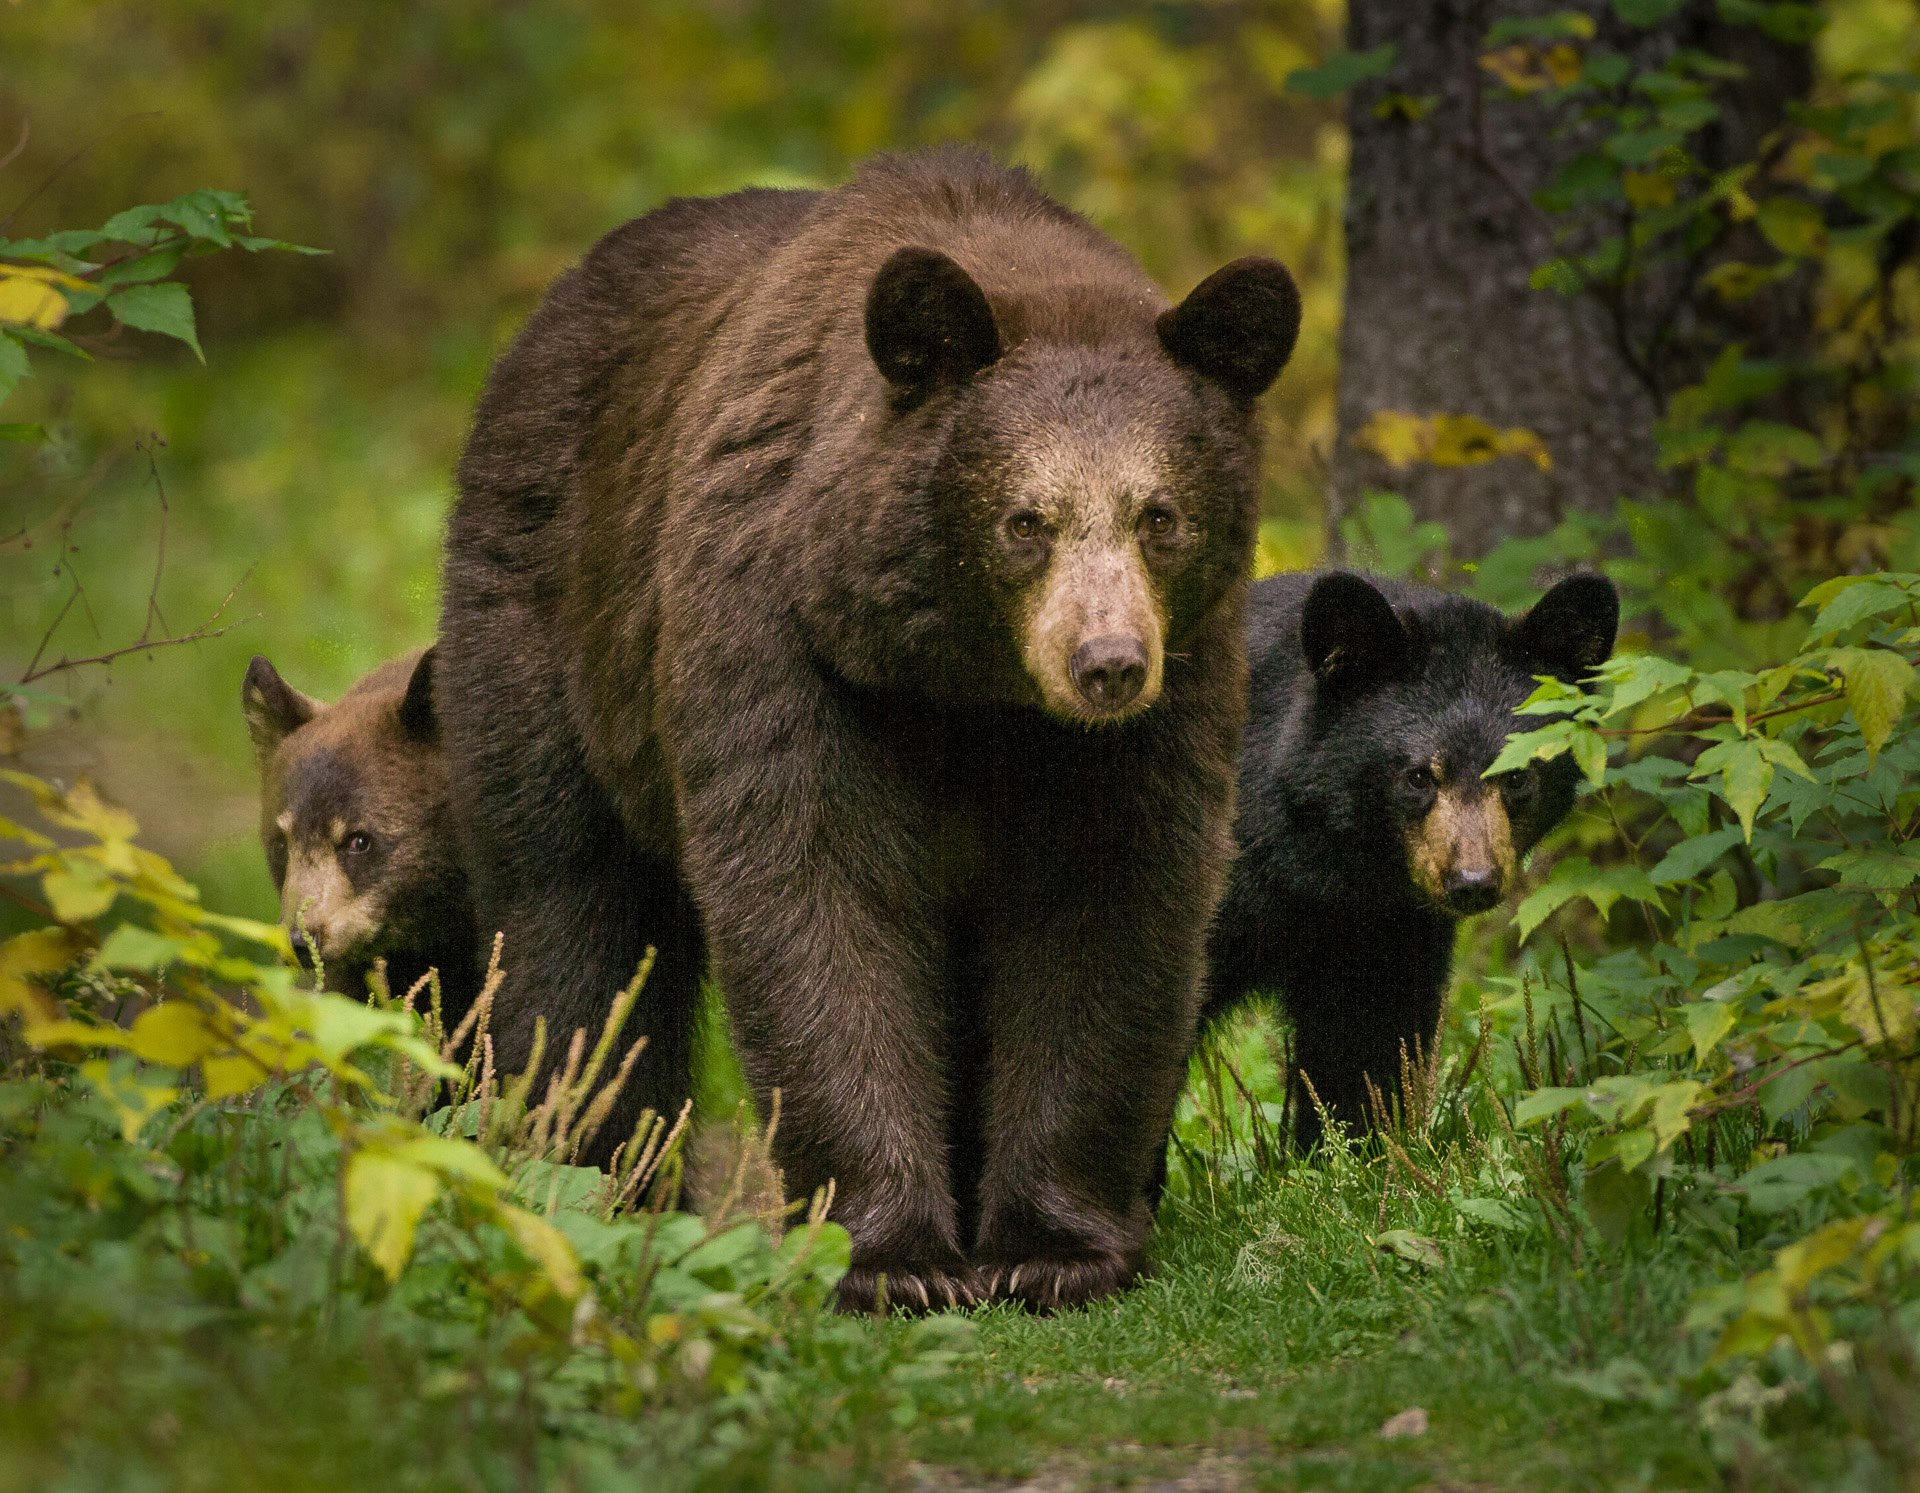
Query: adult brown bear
{"type": "Point", "coordinates": [859, 576]}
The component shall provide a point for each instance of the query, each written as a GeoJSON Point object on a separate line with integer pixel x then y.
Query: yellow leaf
{"type": "Point", "coordinates": [77, 890]}
{"type": "Point", "coordinates": [88, 811]}
{"type": "Point", "coordinates": [1518, 66]}
{"type": "Point", "coordinates": [1463, 440]}
{"type": "Point", "coordinates": [1517, 440]}
{"type": "Point", "coordinates": [454, 1159]}
{"type": "Point", "coordinates": [44, 951]}
{"type": "Point", "coordinates": [385, 1197]}
{"type": "Point", "coordinates": [137, 1100]}
{"type": "Point", "coordinates": [1407, 106]}
{"type": "Point", "coordinates": [1734, 280]}
{"type": "Point", "coordinates": [175, 1033]}
{"type": "Point", "coordinates": [1396, 437]}
{"type": "Point", "coordinates": [546, 1246]}
{"type": "Point", "coordinates": [1880, 1011]}
{"type": "Point", "coordinates": [1647, 189]}
{"type": "Point", "coordinates": [30, 295]}
{"type": "Point", "coordinates": [230, 1074]}
{"type": "Point", "coordinates": [1562, 64]}
{"type": "Point", "coordinates": [59, 1033]}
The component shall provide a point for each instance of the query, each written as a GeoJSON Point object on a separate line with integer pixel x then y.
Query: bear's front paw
{"type": "Point", "coordinates": [1057, 1285]}
{"type": "Point", "coordinates": [875, 1288]}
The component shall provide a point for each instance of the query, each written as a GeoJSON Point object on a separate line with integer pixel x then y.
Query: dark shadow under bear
{"type": "Point", "coordinates": [359, 838]}
{"type": "Point", "coordinates": [1365, 829]}
{"type": "Point", "coordinates": [851, 584]}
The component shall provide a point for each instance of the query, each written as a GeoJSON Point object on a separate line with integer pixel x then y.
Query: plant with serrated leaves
{"type": "Point", "coordinates": [1753, 1044]}
{"type": "Point", "coordinates": [125, 269]}
{"type": "Point", "coordinates": [319, 1160]}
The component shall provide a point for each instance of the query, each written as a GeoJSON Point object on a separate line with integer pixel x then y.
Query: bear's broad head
{"type": "Point", "coordinates": [1100, 460]}
{"type": "Point", "coordinates": [353, 811]}
{"type": "Point", "coordinates": [1413, 701]}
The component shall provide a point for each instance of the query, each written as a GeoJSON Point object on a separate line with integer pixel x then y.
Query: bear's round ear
{"type": "Point", "coordinates": [1237, 327]}
{"type": "Point", "coordinates": [417, 717]}
{"type": "Point", "coordinates": [1570, 631]}
{"type": "Point", "coordinates": [928, 323]}
{"type": "Point", "coordinates": [274, 708]}
{"type": "Point", "coordinates": [1350, 633]}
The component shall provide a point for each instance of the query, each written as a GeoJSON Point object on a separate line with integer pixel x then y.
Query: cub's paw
{"type": "Point", "coordinates": [868, 1289]}
{"type": "Point", "coordinates": [1057, 1285]}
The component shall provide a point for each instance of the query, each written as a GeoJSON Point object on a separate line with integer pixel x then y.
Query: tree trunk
{"type": "Point", "coordinates": [1443, 233]}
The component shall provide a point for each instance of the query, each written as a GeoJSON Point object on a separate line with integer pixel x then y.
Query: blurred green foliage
{"type": "Point", "coordinates": [453, 159]}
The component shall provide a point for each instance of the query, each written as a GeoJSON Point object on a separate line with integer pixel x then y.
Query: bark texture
{"type": "Point", "coordinates": [1443, 234]}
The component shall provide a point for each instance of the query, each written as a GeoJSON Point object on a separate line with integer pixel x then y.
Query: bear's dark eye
{"type": "Point", "coordinates": [1024, 525]}
{"type": "Point", "coordinates": [1420, 776]}
{"type": "Point", "coordinates": [358, 843]}
{"type": "Point", "coordinates": [1517, 784]}
{"type": "Point", "coordinates": [1160, 521]}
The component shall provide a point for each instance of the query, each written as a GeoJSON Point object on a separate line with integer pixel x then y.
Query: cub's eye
{"type": "Point", "coordinates": [1516, 784]}
{"type": "Point", "coordinates": [1160, 521]}
{"type": "Point", "coordinates": [1024, 525]}
{"type": "Point", "coordinates": [358, 843]}
{"type": "Point", "coordinates": [1420, 776]}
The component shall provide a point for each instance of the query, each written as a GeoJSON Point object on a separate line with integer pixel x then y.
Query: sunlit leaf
{"type": "Point", "coordinates": [385, 1197]}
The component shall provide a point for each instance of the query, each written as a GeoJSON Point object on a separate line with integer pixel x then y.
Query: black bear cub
{"type": "Point", "coordinates": [354, 820]}
{"type": "Point", "coordinates": [1366, 831]}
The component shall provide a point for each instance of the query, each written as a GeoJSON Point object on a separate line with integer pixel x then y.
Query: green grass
{"type": "Point", "coordinates": [1292, 1311]}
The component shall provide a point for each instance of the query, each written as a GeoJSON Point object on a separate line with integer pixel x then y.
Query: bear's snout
{"type": "Point", "coordinates": [1471, 889]}
{"type": "Point", "coordinates": [1109, 671]}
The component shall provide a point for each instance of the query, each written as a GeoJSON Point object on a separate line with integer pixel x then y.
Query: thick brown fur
{"type": "Point", "coordinates": [355, 823]}
{"type": "Point", "coordinates": [851, 583]}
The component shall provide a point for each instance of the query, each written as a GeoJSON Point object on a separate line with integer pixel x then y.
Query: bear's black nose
{"type": "Point", "coordinates": [302, 947]}
{"type": "Point", "coordinates": [1472, 891]}
{"type": "Point", "coordinates": [1109, 671]}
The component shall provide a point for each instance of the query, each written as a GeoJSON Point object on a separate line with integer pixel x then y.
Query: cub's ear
{"type": "Point", "coordinates": [274, 708]}
{"type": "Point", "coordinates": [1237, 327]}
{"type": "Point", "coordinates": [928, 323]}
{"type": "Point", "coordinates": [1350, 633]}
{"type": "Point", "coordinates": [417, 716]}
{"type": "Point", "coordinates": [1570, 631]}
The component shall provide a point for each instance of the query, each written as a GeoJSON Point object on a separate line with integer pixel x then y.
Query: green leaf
{"type": "Point", "coordinates": [1576, 876]}
{"type": "Point", "coordinates": [1745, 776]}
{"type": "Point", "coordinates": [1868, 597]}
{"type": "Point", "coordinates": [1637, 147]}
{"type": "Point", "coordinates": [1341, 71]}
{"type": "Point", "coordinates": [1405, 1244]}
{"type": "Point", "coordinates": [14, 366]}
{"type": "Point", "coordinates": [22, 432]}
{"type": "Point", "coordinates": [132, 947]}
{"type": "Point", "coordinates": [1613, 1197]}
{"type": "Point", "coordinates": [1543, 1103]}
{"type": "Point", "coordinates": [1766, 448]}
{"type": "Point", "coordinates": [1877, 683]}
{"type": "Point", "coordinates": [164, 308]}
{"type": "Point", "coordinates": [1690, 858]}
{"type": "Point", "coordinates": [1646, 12]}
{"type": "Point", "coordinates": [1590, 752]}
{"type": "Point", "coordinates": [1793, 226]}
{"type": "Point", "coordinates": [1706, 1022]}
{"type": "Point", "coordinates": [1874, 870]}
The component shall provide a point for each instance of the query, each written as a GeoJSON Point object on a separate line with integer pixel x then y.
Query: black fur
{"type": "Point", "coordinates": [1356, 684]}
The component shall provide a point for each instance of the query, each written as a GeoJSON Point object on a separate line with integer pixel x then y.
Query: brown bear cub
{"type": "Point", "coordinates": [1366, 831]}
{"type": "Point", "coordinates": [354, 818]}
{"type": "Point", "coordinates": [850, 584]}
